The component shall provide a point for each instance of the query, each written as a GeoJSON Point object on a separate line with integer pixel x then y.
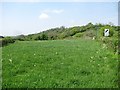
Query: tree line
{"type": "Point", "coordinates": [88, 31]}
{"type": "Point", "coordinates": [63, 32]}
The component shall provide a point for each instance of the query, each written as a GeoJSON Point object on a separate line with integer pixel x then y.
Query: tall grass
{"type": "Point", "coordinates": [59, 64]}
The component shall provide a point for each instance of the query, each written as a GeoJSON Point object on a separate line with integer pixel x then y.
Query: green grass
{"type": "Point", "coordinates": [57, 64]}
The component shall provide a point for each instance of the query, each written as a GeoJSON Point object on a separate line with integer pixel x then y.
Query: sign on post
{"type": "Point", "coordinates": [106, 32]}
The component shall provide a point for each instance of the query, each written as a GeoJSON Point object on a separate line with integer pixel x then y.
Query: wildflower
{"type": "Point", "coordinates": [90, 60]}
{"type": "Point", "coordinates": [97, 52]}
{"type": "Point", "coordinates": [98, 64]}
{"type": "Point", "coordinates": [105, 57]}
{"type": "Point", "coordinates": [56, 53]}
{"type": "Point", "coordinates": [91, 57]}
{"type": "Point", "coordinates": [10, 60]}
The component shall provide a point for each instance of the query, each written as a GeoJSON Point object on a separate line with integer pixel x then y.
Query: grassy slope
{"type": "Point", "coordinates": [61, 63]}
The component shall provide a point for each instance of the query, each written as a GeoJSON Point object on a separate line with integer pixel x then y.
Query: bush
{"type": "Point", "coordinates": [111, 43]}
{"type": "Point", "coordinates": [6, 41]}
{"type": "Point", "coordinates": [44, 37]}
{"type": "Point", "coordinates": [64, 35]}
{"type": "Point", "coordinates": [73, 31]}
{"type": "Point", "coordinates": [19, 37]}
{"type": "Point", "coordinates": [78, 35]}
{"type": "Point", "coordinates": [89, 34]}
{"type": "Point", "coordinates": [36, 37]}
{"type": "Point", "coordinates": [101, 31]}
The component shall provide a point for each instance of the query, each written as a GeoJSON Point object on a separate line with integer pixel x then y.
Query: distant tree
{"type": "Point", "coordinates": [99, 25]}
{"type": "Point", "coordinates": [90, 33]}
{"type": "Point", "coordinates": [73, 31]}
{"type": "Point", "coordinates": [62, 28]}
{"type": "Point", "coordinates": [6, 41]}
{"type": "Point", "coordinates": [78, 35]}
{"type": "Point", "coordinates": [36, 37]}
{"type": "Point", "coordinates": [82, 29]}
{"type": "Point", "coordinates": [89, 25]}
{"type": "Point", "coordinates": [20, 37]}
{"type": "Point", "coordinates": [44, 37]}
{"type": "Point", "coordinates": [111, 30]}
{"type": "Point", "coordinates": [62, 32]}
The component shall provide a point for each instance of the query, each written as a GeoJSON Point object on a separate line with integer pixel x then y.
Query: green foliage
{"type": "Point", "coordinates": [111, 31]}
{"type": "Point", "coordinates": [30, 37]}
{"type": "Point", "coordinates": [78, 35]}
{"type": "Point", "coordinates": [88, 31]}
{"type": "Point", "coordinates": [6, 41]}
{"type": "Point", "coordinates": [36, 37]}
{"type": "Point", "coordinates": [89, 25]}
{"type": "Point", "coordinates": [44, 37]}
{"type": "Point", "coordinates": [111, 43]}
{"type": "Point", "coordinates": [62, 63]}
{"type": "Point", "coordinates": [90, 34]}
{"type": "Point", "coordinates": [41, 36]}
{"type": "Point", "coordinates": [73, 31]}
{"type": "Point", "coordinates": [58, 64]}
{"type": "Point", "coordinates": [19, 37]}
{"type": "Point", "coordinates": [65, 34]}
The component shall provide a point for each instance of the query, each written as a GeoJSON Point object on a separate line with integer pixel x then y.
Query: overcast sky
{"type": "Point", "coordinates": [33, 17]}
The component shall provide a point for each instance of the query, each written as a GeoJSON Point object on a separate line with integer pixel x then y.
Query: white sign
{"type": "Point", "coordinates": [106, 32]}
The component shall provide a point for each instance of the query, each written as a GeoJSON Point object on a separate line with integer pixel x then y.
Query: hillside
{"type": "Point", "coordinates": [88, 31]}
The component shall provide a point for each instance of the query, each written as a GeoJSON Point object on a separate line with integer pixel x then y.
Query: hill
{"type": "Point", "coordinates": [88, 31]}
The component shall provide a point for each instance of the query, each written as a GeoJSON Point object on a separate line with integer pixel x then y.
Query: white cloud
{"type": "Point", "coordinates": [43, 16]}
{"type": "Point", "coordinates": [45, 13]}
{"type": "Point", "coordinates": [57, 11]}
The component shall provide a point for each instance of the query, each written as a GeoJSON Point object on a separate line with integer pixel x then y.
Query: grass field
{"type": "Point", "coordinates": [59, 63]}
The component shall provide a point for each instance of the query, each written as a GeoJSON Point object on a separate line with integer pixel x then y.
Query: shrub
{"type": "Point", "coordinates": [44, 37]}
{"type": "Point", "coordinates": [19, 37]}
{"type": "Point", "coordinates": [64, 35]}
{"type": "Point", "coordinates": [73, 31]}
{"type": "Point", "coordinates": [101, 31]}
{"type": "Point", "coordinates": [89, 34]}
{"type": "Point", "coordinates": [6, 41]}
{"type": "Point", "coordinates": [36, 37]}
{"type": "Point", "coordinates": [78, 35]}
{"type": "Point", "coordinates": [110, 42]}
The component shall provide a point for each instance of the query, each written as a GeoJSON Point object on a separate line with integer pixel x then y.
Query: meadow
{"type": "Point", "coordinates": [59, 64]}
